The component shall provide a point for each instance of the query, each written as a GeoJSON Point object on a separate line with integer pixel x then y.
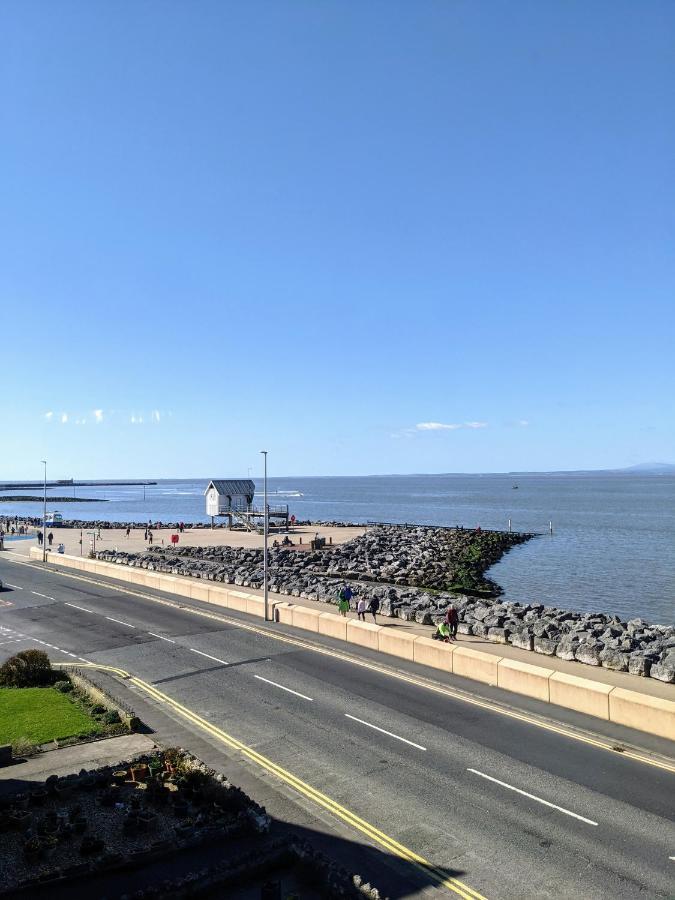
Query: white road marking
{"type": "Point", "coordinates": [83, 659]}
{"type": "Point", "coordinates": [671, 857]}
{"type": "Point", "coordinates": [46, 596]}
{"type": "Point", "coordinates": [297, 694]}
{"type": "Point", "coordinates": [161, 637]}
{"type": "Point", "coordinates": [208, 656]}
{"type": "Point", "coordinates": [510, 787]}
{"type": "Point", "coordinates": [81, 608]}
{"type": "Point", "coordinates": [120, 622]}
{"type": "Point", "coordinates": [14, 586]}
{"type": "Point", "coordinates": [377, 728]}
{"type": "Point", "coordinates": [13, 641]}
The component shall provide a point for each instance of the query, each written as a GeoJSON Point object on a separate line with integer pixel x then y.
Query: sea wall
{"type": "Point", "coordinates": [405, 569]}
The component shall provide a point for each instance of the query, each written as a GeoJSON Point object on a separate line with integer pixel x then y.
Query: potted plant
{"type": "Point", "coordinates": [120, 776]}
{"type": "Point", "coordinates": [32, 848]}
{"type": "Point", "coordinates": [21, 801]}
{"type": "Point", "coordinates": [49, 843]}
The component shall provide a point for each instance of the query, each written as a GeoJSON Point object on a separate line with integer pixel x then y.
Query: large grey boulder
{"type": "Point", "coordinates": [614, 659]}
{"type": "Point", "coordinates": [545, 646]}
{"type": "Point", "coordinates": [588, 653]}
{"type": "Point", "coordinates": [522, 639]}
{"type": "Point", "coordinates": [639, 665]}
{"type": "Point", "coordinates": [664, 671]}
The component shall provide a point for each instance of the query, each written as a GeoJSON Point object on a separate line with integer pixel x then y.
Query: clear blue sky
{"type": "Point", "coordinates": [315, 226]}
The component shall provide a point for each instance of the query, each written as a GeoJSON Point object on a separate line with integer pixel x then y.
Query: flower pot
{"type": "Point", "coordinates": [120, 776]}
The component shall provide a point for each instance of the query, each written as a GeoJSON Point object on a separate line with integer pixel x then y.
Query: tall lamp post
{"type": "Point", "coordinates": [44, 516]}
{"type": "Point", "coordinates": [266, 530]}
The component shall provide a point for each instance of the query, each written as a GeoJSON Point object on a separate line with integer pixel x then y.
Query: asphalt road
{"type": "Point", "coordinates": [519, 810]}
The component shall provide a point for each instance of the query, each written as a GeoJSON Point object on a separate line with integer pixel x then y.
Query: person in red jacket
{"type": "Point", "coordinates": [452, 621]}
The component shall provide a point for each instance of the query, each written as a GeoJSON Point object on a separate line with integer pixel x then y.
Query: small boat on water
{"type": "Point", "coordinates": [514, 487]}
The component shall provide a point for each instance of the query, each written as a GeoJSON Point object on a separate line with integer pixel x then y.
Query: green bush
{"type": "Point", "coordinates": [64, 687]}
{"type": "Point", "coordinates": [30, 668]}
{"type": "Point", "coordinates": [111, 717]}
{"type": "Point", "coordinates": [98, 709]}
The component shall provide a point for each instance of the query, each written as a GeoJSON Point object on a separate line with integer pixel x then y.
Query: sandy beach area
{"type": "Point", "coordinates": [116, 538]}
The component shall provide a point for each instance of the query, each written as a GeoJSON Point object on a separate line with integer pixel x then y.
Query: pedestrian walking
{"type": "Point", "coordinates": [128, 531]}
{"type": "Point", "coordinates": [373, 607]}
{"type": "Point", "coordinates": [50, 538]}
{"type": "Point", "coordinates": [343, 603]}
{"type": "Point", "coordinates": [361, 609]}
{"type": "Point", "coordinates": [452, 621]}
{"type": "Point", "coordinates": [39, 537]}
{"type": "Point", "coordinates": [149, 537]}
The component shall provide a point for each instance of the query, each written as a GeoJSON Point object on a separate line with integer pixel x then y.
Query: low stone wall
{"type": "Point", "coordinates": [631, 708]}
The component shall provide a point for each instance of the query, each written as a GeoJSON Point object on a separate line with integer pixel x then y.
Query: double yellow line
{"type": "Point", "coordinates": [433, 873]}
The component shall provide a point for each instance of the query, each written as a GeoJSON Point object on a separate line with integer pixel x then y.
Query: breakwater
{"type": "Point", "coordinates": [415, 574]}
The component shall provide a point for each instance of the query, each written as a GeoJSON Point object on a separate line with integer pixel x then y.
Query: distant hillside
{"type": "Point", "coordinates": [668, 468]}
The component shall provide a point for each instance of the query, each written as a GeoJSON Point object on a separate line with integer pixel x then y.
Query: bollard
{"type": "Point", "coordinates": [550, 527]}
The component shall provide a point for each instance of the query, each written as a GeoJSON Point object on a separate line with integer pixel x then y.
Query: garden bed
{"type": "Point", "coordinates": [156, 810]}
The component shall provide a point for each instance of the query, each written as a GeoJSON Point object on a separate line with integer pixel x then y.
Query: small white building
{"type": "Point", "coordinates": [226, 497]}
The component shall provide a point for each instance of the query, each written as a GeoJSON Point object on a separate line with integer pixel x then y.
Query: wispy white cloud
{"type": "Point", "coordinates": [448, 426]}
{"type": "Point", "coordinates": [98, 415]}
{"type": "Point", "coordinates": [49, 415]}
{"type": "Point", "coordinates": [64, 418]}
{"type": "Point", "coordinates": [523, 423]}
{"type": "Point", "coordinates": [155, 415]}
{"type": "Point", "coordinates": [437, 426]}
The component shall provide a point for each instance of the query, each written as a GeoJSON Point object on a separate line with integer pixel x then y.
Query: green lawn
{"type": "Point", "coordinates": [40, 715]}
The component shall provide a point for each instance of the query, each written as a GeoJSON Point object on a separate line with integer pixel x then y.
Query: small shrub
{"type": "Point", "coordinates": [64, 687]}
{"type": "Point", "coordinates": [30, 668]}
{"type": "Point", "coordinates": [111, 717]}
{"type": "Point", "coordinates": [98, 709]}
{"type": "Point", "coordinates": [23, 747]}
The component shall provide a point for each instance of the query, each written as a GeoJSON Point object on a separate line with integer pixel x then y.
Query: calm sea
{"type": "Point", "coordinates": [613, 546]}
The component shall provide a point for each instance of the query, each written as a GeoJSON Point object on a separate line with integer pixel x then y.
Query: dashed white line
{"type": "Point", "coordinates": [208, 656]}
{"type": "Point", "coordinates": [377, 728]}
{"type": "Point", "coordinates": [161, 637]}
{"type": "Point", "coordinates": [283, 688]}
{"type": "Point", "coordinates": [510, 787]}
{"type": "Point", "coordinates": [46, 596]}
{"type": "Point", "coordinates": [81, 608]}
{"type": "Point", "coordinates": [120, 622]}
{"type": "Point", "coordinates": [15, 587]}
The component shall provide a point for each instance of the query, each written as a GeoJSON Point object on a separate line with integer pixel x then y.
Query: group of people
{"type": "Point", "coordinates": [50, 538]}
{"type": "Point", "coordinates": [446, 630]}
{"type": "Point", "coordinates": [344, 602]}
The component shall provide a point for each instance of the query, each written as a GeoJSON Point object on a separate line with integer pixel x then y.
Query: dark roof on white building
{"type": "Point", "coordinates": [233, 488]}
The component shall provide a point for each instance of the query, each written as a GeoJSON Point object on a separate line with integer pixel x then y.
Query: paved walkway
{"type": "Point", "coordinates": [69, 760]}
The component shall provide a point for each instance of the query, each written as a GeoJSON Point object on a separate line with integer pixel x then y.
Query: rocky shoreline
{"type": "Point", "coordinates": [415, 573]}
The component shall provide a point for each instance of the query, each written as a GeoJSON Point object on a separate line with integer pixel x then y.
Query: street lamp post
{"type": "Point", "coordinates": [265, 531]}
{"type": "Point", "coordinates": [44, 516]}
